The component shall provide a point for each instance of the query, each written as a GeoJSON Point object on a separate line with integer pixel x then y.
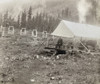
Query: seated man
{"type": "Point", "coordinates": [59, 43]}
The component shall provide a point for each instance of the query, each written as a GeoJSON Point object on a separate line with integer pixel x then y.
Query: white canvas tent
{"type": "Point", "coordinates": [72, 29]}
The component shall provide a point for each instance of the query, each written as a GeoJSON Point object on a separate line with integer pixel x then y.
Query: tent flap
{"type": "Point", "coordinates": [63, 31]}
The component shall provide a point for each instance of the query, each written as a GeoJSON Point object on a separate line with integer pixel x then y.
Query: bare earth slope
{"type": "Point", "coordinates": [22, 65]}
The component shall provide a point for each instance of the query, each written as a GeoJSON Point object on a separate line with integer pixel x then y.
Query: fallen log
{"type": "Point", "coordinates": [56, 51]}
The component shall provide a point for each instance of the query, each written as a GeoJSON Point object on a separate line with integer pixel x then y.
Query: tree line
{"type": "Point", "coordinates": [43, 21]}
{"type": "Point", "coordinates": [40, 21]}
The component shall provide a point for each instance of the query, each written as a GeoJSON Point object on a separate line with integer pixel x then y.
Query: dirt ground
{"type": "Point", "coordinates": [21, 64]}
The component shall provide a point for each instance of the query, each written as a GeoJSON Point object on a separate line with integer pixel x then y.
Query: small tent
{"type": "Point", "coordinates": [34, 33]}
{"type": "Point", "coordinates": [23, 31]}
{"type": "Point", "coordinates": [11, 30]}
{"type": "Point", "coordinates": [72, 29]}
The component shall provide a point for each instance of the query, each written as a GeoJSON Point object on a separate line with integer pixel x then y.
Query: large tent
{"type": "Point", "coordinates": [72, 29]}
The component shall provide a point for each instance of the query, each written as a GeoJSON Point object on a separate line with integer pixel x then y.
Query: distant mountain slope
{"type": "Point", "coordinates": [54, 7]}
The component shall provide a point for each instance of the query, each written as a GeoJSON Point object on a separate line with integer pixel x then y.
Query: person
{"type": "Point", "coordinates": [59, 43]}
{"type": "Point", "coordinates": [72, 50]}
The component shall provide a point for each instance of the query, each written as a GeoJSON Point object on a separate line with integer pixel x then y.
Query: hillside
{"type": "Point", "coordinates": [21, 64]}
{"type": "Point", "coordinates": [54, 7]}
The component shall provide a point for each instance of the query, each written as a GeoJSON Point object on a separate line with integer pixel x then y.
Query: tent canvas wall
{"type": "Point", "coordinates": [77, 30]}
{"type": "Point", "coordinates": [72, 29]}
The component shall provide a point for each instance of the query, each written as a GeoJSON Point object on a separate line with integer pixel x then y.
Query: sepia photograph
{"type": "Point", "coordinates": [49, 42]}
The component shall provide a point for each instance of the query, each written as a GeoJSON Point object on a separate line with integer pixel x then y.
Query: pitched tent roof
{"type": "Point", "coordinates": [71, 29]}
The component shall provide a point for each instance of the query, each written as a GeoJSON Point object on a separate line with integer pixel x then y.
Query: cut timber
{"type": "Point", "coordinates": [56, 51]}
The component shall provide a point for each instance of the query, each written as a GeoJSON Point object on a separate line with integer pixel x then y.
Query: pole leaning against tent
{"type": "Point", "coordinates": [83, 44]}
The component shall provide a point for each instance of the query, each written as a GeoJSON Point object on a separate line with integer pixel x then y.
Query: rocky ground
{"type": "Point", "coordinates": [21, 64]}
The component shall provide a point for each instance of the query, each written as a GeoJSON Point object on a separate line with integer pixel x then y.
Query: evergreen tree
{"type": "Point", "coordinates": [10, 21]}
{"type": "Point", "coordinates": [1, 19]}
{"type": "Point", "coordinates": [29, 21]}
{"type": "Point", "coordinates": [5, 20]}
{"type": "Point", "coordinates": [23, 19]}
{"type": "Point", "coordinates": [38, 21]}
{"type": "Point", "coordinates": [18, 22]}
{"type": "Point", "coordinates": [33, 23]}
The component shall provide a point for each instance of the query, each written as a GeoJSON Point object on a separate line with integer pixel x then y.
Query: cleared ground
{"type": "Point", "coordinates": [21, 64]}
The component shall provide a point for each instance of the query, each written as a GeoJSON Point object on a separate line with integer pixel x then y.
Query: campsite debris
{"type": "Point", "coordinates": [49, 83]}
{"type": "Point", "coordinates": [57, 57]}
{"type": "Point", "coordinates": [52, 78]}
{"type": "Point", "coordinates": [32, 80]}
{"type": "Point", "coordinates": [59, 82]}
{"type": "Point", "coordinates": [36, 56]}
